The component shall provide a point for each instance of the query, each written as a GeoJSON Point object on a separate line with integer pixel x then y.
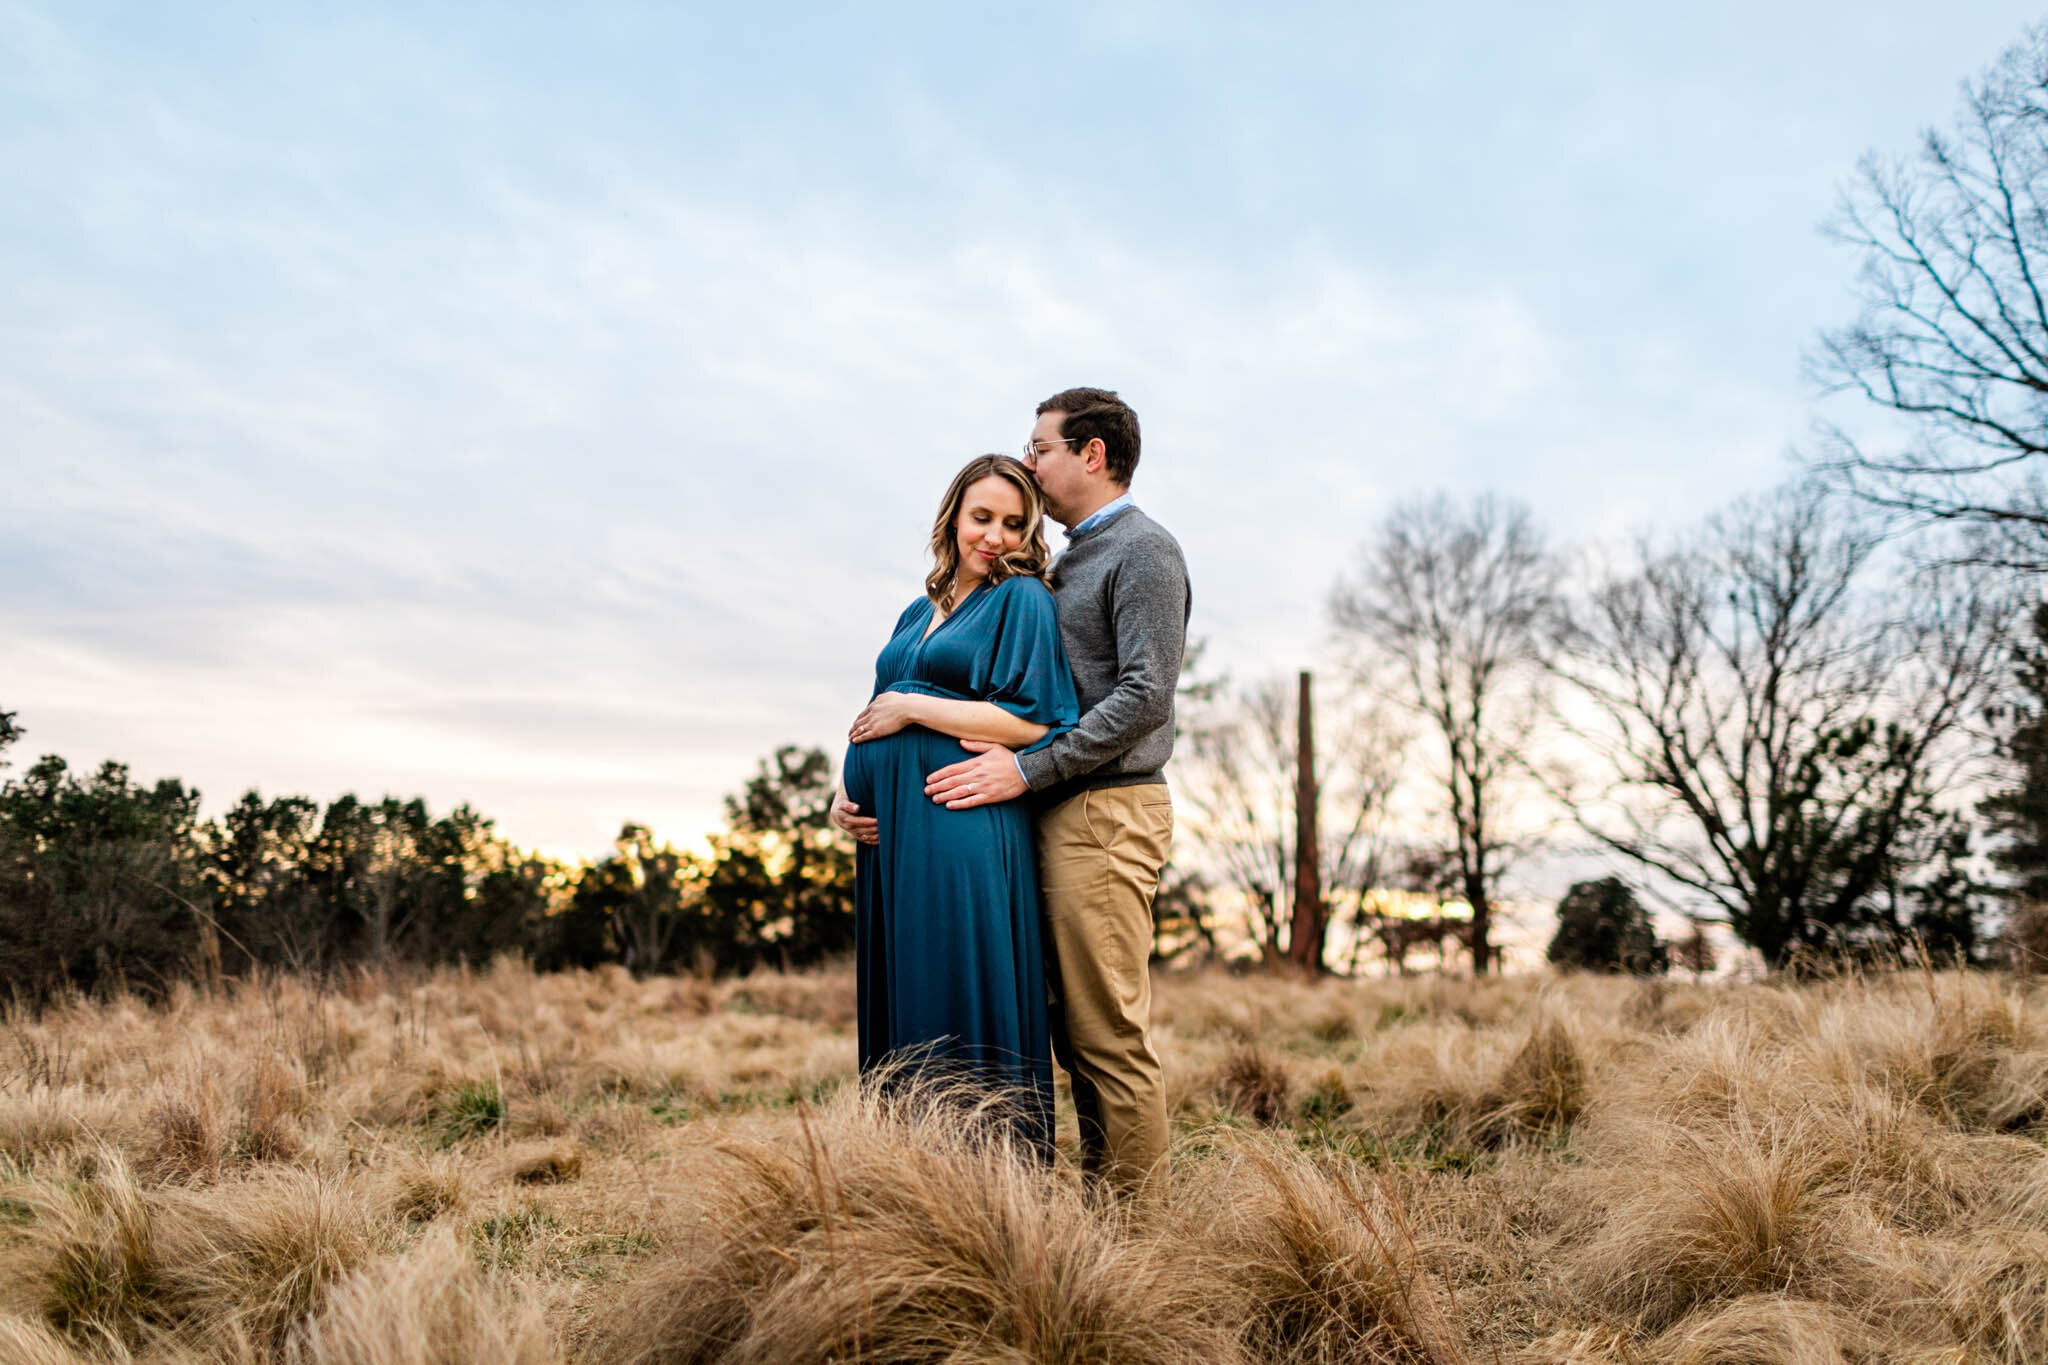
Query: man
{"type": "Point", "coordinates": [1105, 820]}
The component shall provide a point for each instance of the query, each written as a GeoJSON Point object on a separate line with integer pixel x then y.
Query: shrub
{"type": "Point", "coordinates": [1602, 927]}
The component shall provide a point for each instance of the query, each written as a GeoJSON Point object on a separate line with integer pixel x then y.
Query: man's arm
{"type": "Point", "coordinates": [1148, 616]}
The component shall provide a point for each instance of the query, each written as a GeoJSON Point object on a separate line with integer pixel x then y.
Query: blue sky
{"type": "Point", "coordinates": [545, 408]}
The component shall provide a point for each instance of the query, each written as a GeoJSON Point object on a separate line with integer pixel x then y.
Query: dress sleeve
{"type": "Point", "coordinates": [1028, 671]}
{"type": "Point", "coordinates": [883, 674]}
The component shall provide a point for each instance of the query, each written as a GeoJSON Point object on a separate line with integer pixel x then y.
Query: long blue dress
{"type": "Point", "coordinates": [950, 973]}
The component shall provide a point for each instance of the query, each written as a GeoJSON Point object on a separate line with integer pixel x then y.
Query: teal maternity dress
{"type": "Point", "coordinates": [950, 974]}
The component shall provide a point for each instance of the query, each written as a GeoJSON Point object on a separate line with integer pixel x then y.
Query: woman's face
{"type": "Point", "coordinates": [991, 524]}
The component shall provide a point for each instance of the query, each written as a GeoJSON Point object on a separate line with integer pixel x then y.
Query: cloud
{"type": "Point", "coordinates": [336, 462]}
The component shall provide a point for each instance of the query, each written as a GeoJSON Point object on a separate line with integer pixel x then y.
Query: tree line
{"type": "Point", "coordinates": [1815, 718]}
{"type": "Point", "coordinates": [106, 882]}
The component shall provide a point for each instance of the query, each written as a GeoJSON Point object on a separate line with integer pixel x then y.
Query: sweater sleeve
{"type": "Point", "coordinates": [1148, 613]}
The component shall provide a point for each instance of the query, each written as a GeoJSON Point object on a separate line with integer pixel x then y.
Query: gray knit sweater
{"type": "Point", "coordinates": [1122, 590]}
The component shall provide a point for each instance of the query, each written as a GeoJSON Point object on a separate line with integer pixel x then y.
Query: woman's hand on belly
{"type": "Point", "coordinates": [888, 713]}
{"type": "Point", "coordinates": [846, 816]}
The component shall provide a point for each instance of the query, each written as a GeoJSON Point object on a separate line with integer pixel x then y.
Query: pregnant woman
{"type": "Point", "coordinates": [948, 962]}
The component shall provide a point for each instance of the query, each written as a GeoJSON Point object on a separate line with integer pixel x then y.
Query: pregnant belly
{"type": "Point", "coordinates": [885, 770]}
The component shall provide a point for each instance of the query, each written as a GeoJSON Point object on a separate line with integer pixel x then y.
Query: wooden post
{"type": "Point", "coordinates": [1305, 939]}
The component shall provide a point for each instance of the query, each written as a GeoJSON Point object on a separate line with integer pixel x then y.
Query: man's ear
{"type": "Point", "coordinates": [1094, 455]}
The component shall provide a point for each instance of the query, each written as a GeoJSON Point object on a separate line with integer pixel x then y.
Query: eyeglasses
{"type": "Point", "coordinates": [1032, 451]}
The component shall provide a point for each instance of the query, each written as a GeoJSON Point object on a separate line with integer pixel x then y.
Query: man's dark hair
{"type": "Point", "coordinates": [1099, 415]}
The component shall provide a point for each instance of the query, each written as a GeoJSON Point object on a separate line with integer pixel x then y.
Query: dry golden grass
{"type": "Point", "coordinates": [431, 1306]}
{"type": "Point", "coordinates": [497, 1166]}
{"type": "Point", "coordinates": [910, 1232]}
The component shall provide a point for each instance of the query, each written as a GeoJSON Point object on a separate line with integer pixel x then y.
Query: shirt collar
{"type": "Point", "coordinates": [1100, 514]}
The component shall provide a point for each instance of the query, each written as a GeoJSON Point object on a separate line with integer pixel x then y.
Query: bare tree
{"type": "Point", "coordinates": [1953, 331]}
{"type": "Point", "coordinates": [1237, 782]}
{"type": "Point", "coordinates": [1772, 719]}
{"type": "Point", "coordinates": [1451, 602]}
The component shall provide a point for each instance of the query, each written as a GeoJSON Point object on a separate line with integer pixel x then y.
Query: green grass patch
{"type": "Point", "coordinates": [670, 1109]}
{"type": "Point", "coordinates": [601, 1256]}
{"type": "Point", "coordinates": [1326, 1101]}
{"type": "Point", "coordinates": [505, 1240]}
{"type": "Point", "coordinates": [474, 1109]}
{"type": "Point", "coordinates": [1431, 1149]}
{"type": "Point", "coordinates": [783, 1097]}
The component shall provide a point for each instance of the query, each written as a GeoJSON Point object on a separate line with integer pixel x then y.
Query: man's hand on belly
{"type": "Point", "coordinates": [990, 776]}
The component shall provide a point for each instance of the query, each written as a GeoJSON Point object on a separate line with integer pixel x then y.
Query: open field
{"type": "Point", "coordinates": [500, 1166]}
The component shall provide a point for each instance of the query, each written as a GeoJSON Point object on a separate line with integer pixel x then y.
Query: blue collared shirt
{"type": "Point", "coordinates": [1100, 514]}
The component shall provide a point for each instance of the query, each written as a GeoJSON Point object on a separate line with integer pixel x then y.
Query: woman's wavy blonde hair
{"type": "Point", "coordinates": [1027, 560]}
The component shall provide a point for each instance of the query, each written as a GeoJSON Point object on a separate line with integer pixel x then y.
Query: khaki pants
{"type": "Point", "coordinates": [1099, 856]}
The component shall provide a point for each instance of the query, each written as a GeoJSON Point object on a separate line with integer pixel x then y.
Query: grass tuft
{"type": "Point", "coordinates": [908, 1232]}
{"type": "Point", "coordinates": [23, 1342]}
{"type": "Point", "coordinates": [189, 1144]}
{"type": "Point", "coordinates": [431, 1307]}
{"type": "Point", "coordinates": [548, 1163]}
{"type": "Point", "coordinates": [94, 1256]}
{"type": "Point", "coordinates": [1996, 1299]}
{"type": "Point", "coordinates": [1770, 1329]}
{"type": "Point", "coordinates": [1320, 1264]}
{"type": "Point", "coordinates": [473, 1109]}
{"type": "Point", "coordinates": [1251, 1084]}
{"type": "Point", "coordinates": [1541, 1091]}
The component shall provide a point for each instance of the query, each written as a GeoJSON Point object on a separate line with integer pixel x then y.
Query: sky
{"type": "Point", "coordinates": [544, 407]}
